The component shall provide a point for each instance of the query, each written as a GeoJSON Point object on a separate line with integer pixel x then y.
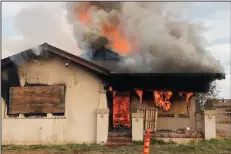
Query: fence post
{"type": "Point", "coordinates": [156, 118]}
{"type": "Point", "coordinates": [137, 127]}
{"type": "Point", "coordinates": [147, 142]}
{"type": "Point", "coordinates": [209, 124]}
{"type": "Point", "coordinates": [102, 125]}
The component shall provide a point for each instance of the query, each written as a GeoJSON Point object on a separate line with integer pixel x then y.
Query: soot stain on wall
{"type": "Point", "coordinates": [10, 78]}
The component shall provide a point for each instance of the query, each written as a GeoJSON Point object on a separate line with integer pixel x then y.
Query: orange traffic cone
{"type": "Point", "coordinates": [147, 142]}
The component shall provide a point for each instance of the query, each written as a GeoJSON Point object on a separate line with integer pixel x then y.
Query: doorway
{"type": "Point", "coordinates": [119, 104]}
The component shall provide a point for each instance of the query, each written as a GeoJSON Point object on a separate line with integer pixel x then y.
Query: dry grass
{"type": "Point", "coordinates": [218, 146]}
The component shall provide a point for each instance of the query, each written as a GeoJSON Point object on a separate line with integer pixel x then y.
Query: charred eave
{"type": "Point", "coordinates": [192, 82]}
{"type": "Point", "coordinates": [211, 76]}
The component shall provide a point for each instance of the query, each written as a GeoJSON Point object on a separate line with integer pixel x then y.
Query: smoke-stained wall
{"type": "Point", "coordinates": [10, 70]}
{"type": "Point", "coordinates": [81, 102]}
{"type": "Point", "coordinates": [9, 78]}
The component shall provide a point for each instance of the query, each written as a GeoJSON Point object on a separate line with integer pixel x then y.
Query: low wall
{"type": "Point", "coordinates": [180, 140]}
{"type": "Point", "coordinates": [33, 131]}
{"type": "Point", "coordinates": [173, 123]}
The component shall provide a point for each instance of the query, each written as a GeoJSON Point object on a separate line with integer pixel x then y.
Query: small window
{"type": "Point", "coordinates": [183, 116]}
{"type": "Point", "coordinates": [58, 114]}
{"type": "Point", "coordinates": [166, 115]}
{"type": "Point", "coordinates": [34, 115]}
{"type": "Point", "coordinates": [13, 115]}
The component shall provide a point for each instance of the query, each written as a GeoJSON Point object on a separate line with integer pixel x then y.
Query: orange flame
{"type": "Point", "coordinates": [116, 40]}
{"type": "Point", "coordinates": [162, 99]}
{"type": "Point", "coordinates": [158, 99]}
{"type": "Point", "coordinates": [83, 16]}
{"type": "Point", "coordinates": [121, 113]}
{"type": "Point", "coordinates": [188, 96]}
{"type": "Point", "coordinates": [168, 95]}
{"type": "Point", "coordinates": [139, 93]}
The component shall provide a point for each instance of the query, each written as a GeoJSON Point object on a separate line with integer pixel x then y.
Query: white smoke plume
{"type": "Point", "coordinates": [160, 36]}
{"type": "Point", "coordinates": [37, 23]}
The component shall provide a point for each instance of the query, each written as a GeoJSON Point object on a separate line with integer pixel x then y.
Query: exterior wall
{"type": "Point", "coordinates": [176, 122]}
{"type": "Point", "coordinates": [169, 122]}
{"type": "Point", "coordinates": [102, 125]}
{"type": "Point", "coordinates": [180, 140]}
{"type": "Point", "coordinates": [81, 103]}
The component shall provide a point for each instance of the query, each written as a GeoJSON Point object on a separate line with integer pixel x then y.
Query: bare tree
{"type": "Point", "coordinates": [213, 93]}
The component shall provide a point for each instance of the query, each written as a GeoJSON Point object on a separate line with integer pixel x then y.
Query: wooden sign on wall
{"type": "Point", "coordinates": [37, 99]}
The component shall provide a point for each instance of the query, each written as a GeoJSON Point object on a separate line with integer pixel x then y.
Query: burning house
{"type": "Point", "coordinates": [56, 97]}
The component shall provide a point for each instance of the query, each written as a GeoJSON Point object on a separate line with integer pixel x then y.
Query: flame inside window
{"type": "Point", "coordinates": [162, 99]}
{"type": "Point", "coordinates": [187, 97]}
{"type": "Point", "coordinates": [121, 104]}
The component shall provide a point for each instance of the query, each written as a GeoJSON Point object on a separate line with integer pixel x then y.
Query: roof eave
{"type": "Point", "coordinates": [75, 59]}
{"type": "Point", "coordinates": [47, 47]}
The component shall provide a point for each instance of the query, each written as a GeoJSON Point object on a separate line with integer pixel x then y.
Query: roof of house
{"type": "Point", "coordinates": [103, 57]}
{"type": "Point", "coordinates": [27, 54]}
{"type": "Point", "coordinates": [102, 66]}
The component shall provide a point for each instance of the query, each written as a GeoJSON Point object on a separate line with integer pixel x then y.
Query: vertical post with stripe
{"type": "Point", "coordinates": [147, 142]}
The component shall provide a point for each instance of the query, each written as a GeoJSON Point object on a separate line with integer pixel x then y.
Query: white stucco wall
{"type": "Point", "coordinates": [209, 124]}
{"type": "Point", "coordinates": [102, 126]}
{"type": "Point", "coordinates": [81, 103]}
{"type": "Point", "coordinates": [137, 127]}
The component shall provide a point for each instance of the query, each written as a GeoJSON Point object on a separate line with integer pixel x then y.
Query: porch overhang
{"type": "Point", "coordinates": [193, 82]}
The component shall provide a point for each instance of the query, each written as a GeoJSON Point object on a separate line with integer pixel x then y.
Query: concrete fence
{"type": "Point", "coordinates": [223, 124]}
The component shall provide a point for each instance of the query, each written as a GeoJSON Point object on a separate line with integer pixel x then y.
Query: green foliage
{"type": "Point", "coordinates": [214, 146]}
{"type": "Point", "coordinates": [152, 142]}
{"type": "Point", "coordinates": [137, 143]}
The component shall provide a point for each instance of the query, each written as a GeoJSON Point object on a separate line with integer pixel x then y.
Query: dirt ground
{"type": "Point", "coordinates": [205, 147]}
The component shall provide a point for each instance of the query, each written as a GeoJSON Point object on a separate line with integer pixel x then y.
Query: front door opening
{"type": "Point", "coordinates": [121, 110]}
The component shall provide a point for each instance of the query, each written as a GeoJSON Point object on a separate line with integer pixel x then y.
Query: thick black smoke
{"type": "Point", "coordinates": [165, 41]}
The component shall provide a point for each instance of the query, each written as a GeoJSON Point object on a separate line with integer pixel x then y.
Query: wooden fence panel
{"type": "Point", "coordinates": [150, 118]}
{"type": "Point", "coordinates": [37, 99]}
